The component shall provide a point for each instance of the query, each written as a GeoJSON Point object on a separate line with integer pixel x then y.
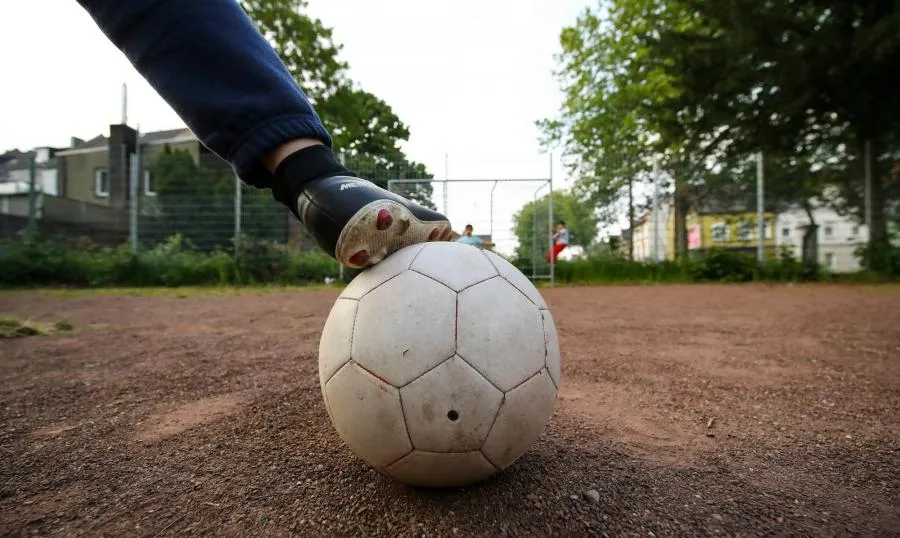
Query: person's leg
{"type": "Point", "coordinates": [553, 253]}
{"type": "Point", "coordinates": [214, 68]}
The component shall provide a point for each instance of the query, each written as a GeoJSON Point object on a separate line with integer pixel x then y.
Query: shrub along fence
{"type": "Point", "coordinates": [31, 262]}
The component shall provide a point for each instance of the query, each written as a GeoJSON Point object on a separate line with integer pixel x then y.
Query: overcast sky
{"type": "Point", "coordinates": [469, 77]}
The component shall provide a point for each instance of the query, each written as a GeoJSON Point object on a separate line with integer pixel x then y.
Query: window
{"type": "Point", "coordinates": [785, 232]}
{"type": "Point", "coordinates": [829, 260]}
{"type": "Point", "coordinates": [854, 231]}
{"type": "Point", "coordinates": [745, 231]}
{"type": "Point", "coordinates": [719, 232]}
{"type": "Point", "coordinates": [149, 188]}
{"type": "Point", "coordinates": [101, 182]}
{"type": "Point", "coordinates": [829, 230]}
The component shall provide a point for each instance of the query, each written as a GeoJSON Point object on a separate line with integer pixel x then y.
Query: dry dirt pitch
{"type": "Point", "coordinates": [688, 410]}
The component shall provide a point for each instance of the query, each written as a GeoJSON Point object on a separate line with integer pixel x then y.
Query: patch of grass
{"type": "Point", "coordinates": [14, 327]}
{"type": "Point", "coordinates": [63, 325]}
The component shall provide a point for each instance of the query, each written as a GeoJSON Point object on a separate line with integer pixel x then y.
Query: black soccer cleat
{"type": "Point", "coordinates": [360, 224]}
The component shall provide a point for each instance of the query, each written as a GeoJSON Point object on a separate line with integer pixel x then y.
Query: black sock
{"type": "Point", "coordinates": [301, 167]}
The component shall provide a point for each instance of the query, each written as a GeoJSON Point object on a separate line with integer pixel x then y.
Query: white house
{"type": "Point", "coordinates": [839, 237]}
{"type": "Point", "coordinates": [15, 174]}
{"type": "Point", "coordinates": [651, 228]}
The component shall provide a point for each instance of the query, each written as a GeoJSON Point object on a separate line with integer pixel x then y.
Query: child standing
{"type": "Point", "coordinates": [560, 241]}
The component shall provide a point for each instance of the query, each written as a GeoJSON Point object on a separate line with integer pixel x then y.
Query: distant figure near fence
{"type": "Point", "coordinates": [560, 241]}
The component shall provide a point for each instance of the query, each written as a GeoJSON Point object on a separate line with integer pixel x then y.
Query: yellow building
{"type": "Point", "coordinates": [714, 226]}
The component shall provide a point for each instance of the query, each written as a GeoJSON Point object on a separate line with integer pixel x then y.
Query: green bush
{"type": "Point", "coordinates": [715, 266]}
{"type": "Point", "coordinates": [724, 266]}
{"type": "Point", "coordinates": [883, 260]}
{"type": "Point", "coordinates": [788, 269]}
{"type": "Point", "coordinates": [34, 262]}
{"type": "Point", "coordinates": [607, 268]}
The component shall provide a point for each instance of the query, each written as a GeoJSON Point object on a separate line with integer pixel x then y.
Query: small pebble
{"type": "Point", "coordinates": [574, 497]}
{"type": "Point", "coordinates": [593, 495]}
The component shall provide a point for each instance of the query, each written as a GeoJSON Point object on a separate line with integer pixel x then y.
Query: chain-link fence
{"type": "Point", "coordinates": [199, 203]}
{"type": "Point", "coordinates": [817, 207]}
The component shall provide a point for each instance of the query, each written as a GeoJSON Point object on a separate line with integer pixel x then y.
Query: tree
{"type": "Point", "coordinates": [618, 108]}
{"type": "Point", "coordinates": [365, 129]}
{"type": "Point", "coordinates": [784, 76]}
{"type": "Point", "coordinates": [532, 223]}
{"type": "Point", "coordinates": [368, 132]}
{"type": "Point", "coordinates": [707, 85]}
{"type": "Point", "coordinates": [190, 200]}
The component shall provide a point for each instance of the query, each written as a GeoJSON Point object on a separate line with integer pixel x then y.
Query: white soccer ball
{"type": "Point", "coordinates": [440, 365]}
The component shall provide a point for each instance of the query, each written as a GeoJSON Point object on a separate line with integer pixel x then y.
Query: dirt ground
{"type": "Point", "coordinates": [688, 410]}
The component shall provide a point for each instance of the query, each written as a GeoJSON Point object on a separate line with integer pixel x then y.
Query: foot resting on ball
{"type": "Point", "coordinates": [352, 219]}
{"type": "Point", "coordinates": [362, 223]}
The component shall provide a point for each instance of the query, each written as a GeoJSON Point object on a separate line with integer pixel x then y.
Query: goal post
{"type": "Point", "coordinates": [514, 214]}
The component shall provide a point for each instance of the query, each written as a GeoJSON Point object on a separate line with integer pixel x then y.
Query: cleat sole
{"type": "Point", "coordinates": [381, 228]}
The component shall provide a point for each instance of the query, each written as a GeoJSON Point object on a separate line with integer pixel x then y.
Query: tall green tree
{"type": "Point", "coordinates": [783, 76]}
{"type": "Point", "coordinates": [365, 128]}
{"type": "Point", "coordinates": [191, 200]}
{"type": "Point", "coordinates": [618, 115]}
{"type": "Point", "coordinates": [810, 83]}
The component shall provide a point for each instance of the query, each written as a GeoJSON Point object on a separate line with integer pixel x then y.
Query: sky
{"type": "Point", "coordinates": [469, 78]}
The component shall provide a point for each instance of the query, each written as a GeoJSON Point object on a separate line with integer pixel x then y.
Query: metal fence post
{"type": "Point", "coordinates": [656, 208]}
{"type": "Point", "coordinates": [491, 208]}
{"type": "Point", "coordinates": [134, 176]}
{"type": "Point", "coordinates": [534, 236]}
{"type": "Point", "coordinates": [550, 227]}
{"type": "Point", "coordinates": [760, 210]}
{"type": "Point", "coordinates": [237, 215]}
{"type": "Point", "coordinates": [32, 196]}
{"type": "Point", "coordinates": [446, 179]}
{"type": "Point", "coordinates": [867, 198]}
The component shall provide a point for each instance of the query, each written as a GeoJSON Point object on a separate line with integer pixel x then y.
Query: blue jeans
{"type": "Point", "coordinates": [214, 68]}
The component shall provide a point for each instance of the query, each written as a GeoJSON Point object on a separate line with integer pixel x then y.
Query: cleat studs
{"type": "Point", "coordinates": [384, 220]}
{"type": "Point", "coordinates": [359, 258]}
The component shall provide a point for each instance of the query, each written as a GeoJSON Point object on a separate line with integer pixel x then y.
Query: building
{"type": "Point", "coordinates": [85, 189]}
{"type": "Point", "coordinates": [15, 171]}
{"type": "Point", "coordinates": [719, 224]}
{"type": "Point", "coordinates": [838, 237]}
{"type": "Point", "coordinates": [96, 171]}
{"type": "Point", "coordinates": [651, 235]}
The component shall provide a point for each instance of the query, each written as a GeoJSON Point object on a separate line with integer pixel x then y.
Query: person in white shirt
{"type": "Point", "coordinates": [560, 241]}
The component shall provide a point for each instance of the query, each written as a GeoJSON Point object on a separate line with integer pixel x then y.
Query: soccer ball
{"type": "Point", "coordinates": [440, 365]}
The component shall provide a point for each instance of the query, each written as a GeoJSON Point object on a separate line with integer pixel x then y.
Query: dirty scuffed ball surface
{"type": "Point", "coordinates": [440, 365]}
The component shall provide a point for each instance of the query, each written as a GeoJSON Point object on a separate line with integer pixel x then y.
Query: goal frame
{"type": "Point", "coordinates": [542, 183]}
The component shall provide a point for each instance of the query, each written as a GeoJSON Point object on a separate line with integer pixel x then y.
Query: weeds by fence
{"type": "Point", "coordinates": [32, 262]}
{"type": "Point", "coordinates": [722, 266]}
{"type": "Point", "coordinates": [28, 262]}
